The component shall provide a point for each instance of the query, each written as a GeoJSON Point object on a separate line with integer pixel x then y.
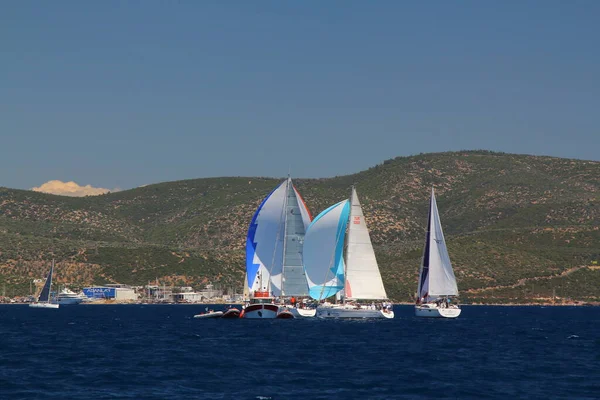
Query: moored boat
{"type": "Point", "coordinates": [67, 296]}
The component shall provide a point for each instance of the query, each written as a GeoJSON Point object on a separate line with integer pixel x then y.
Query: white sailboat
{"type": "Point", "coordinates": [43, 300]}
{"type": "Point", "coordinates": [274, 244]}
{"type": "Point", "coordinates": [436, 278]}
{"type": "Point", "coordinates": [357, 277]}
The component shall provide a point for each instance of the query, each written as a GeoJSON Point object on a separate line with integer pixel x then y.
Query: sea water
{"type": "Point", "coordinates": [162, 352]}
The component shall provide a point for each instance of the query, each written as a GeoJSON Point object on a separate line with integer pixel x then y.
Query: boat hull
{"type": "Point", "coordinates": [231, 313]}
{"type": "Point", "coordinates": [261, 311]}
{"type": "Point", "coordinates": [303, 312]}
{"type": "Point", "coordinates": [284, 313]}
{"type": "Point", "coordinates": [437, 312]}
{"type": "Point", "coordinates": [213, 314]}
{"type": "Point", "coordinates": [345, 311]}
{"type": "Point", "coordinates": [69, 300]}
{"type": "Point", "coordinates": [43, 305]}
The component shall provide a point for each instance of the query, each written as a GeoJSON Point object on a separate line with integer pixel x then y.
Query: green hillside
{"type": "Point", "coordinates": [509, 220]}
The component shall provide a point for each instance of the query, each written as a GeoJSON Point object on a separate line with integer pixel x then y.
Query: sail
{"type": "Point", "coordinates": [45, 293]}
{"type": "Point", "coordinates": [296, 213]}
{"type": "Point", "coordinates": [363, 279]}
{"type": "Point", "coordinates": [436, 277]}
{"type": "Point", "coordinates": [246, 291]}
{"type": "Point", "coordinates": [306, 216]}
{"type": "Point", "coordinates": [264, 243]}
{"type": "Point", "coordinates": [323, 251]}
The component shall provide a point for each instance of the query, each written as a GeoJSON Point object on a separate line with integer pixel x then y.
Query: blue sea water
{"type": "Point", "coordinates": [161, 352]}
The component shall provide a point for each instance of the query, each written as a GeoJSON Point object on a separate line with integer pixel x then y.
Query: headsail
{"type": "Point", "coordinates": [363, 279]}
{"type": "Point", "coordinates": [436, 276]}
{"type": "Point", "coordinates": [45, 293]}
{"type": "Point", "coordinates": [264, 243]}
{"type": "Point", "coordinates": [323, 251]}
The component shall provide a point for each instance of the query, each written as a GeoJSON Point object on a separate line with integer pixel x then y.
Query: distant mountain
{"type": "Point", "coordinates": [518, 227]}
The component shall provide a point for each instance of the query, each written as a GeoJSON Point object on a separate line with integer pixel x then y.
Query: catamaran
{"type": "Point", "coordinates": [436, 278]}
{"type": "Point", "coordinates": [274, 244]}
{"type": "Point", "coordinates": [355, 279]}
{"type": "Point", "coordinates": [43, 300]}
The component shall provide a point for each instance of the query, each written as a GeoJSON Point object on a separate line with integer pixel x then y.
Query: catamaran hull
{"type": "Point", "coordinates": [347, 312]}
{"type": "Point", "coordinates": [434, 312]}
{"type": "Point", "coordinates": [261, 311]}
{"type": "Point", "coordinates": [43, 305]}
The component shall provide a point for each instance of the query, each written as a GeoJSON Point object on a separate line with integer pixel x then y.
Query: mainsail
{"type": "Point", "coordinates": [436, 276]}
{"type": "Point", "coordinates": [323, 251]}
{"type": "Point", "coordinates": [296, 221]}
{"type": "Point", "coordinates": [45, 293]}
{"type": "Point", "coordinates": [363, 279]}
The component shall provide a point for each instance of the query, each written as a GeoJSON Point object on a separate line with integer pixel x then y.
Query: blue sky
{"type": "Point", "coordinates": [121, 94]}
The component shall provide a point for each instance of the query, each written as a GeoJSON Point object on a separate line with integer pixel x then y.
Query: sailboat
{"type": "Point", "coordinates": [355, 278]}
{"type": "Point", "coordinates": [43, 300]}
{"type": "Point", "coordinates": [436, 278]}
{"type": "Point", "coordinates": [274, 244]}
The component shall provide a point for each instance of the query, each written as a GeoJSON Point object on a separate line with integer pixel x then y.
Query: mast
{"type": "Point", "coordinates": [425, 258]}
{"type": "Point", "coordinates": [343, 291]}
{"type": "Point", "coordinates": [285, 205]}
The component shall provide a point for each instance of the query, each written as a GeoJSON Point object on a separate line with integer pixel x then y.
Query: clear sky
{"type": "Point", "coordinates": [126, 93]}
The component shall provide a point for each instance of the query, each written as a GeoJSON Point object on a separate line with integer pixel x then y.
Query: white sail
{"type": "Point", "coordinates": [323, 251]}
{"type": "Point", "coordinates": [296, 216]}
{"type": "Point", "coordinates": [363, 279]}
{"type": "Point", "coordinates": [274, 243]}
{"type": "Point", "coordinates": [436, 277]}
{"type": "Point", "coordinates": [264, 245]}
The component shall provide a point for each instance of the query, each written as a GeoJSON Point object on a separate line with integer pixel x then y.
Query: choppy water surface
{"type": "Point", "coordinates": [160, 351]}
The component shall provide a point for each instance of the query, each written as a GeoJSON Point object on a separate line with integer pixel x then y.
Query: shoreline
{"type": "Point", "coordinates": [586, 304]}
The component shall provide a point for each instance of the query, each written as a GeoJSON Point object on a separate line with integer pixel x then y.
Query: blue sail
{"type": "Point", "coordinates": [324, 250]}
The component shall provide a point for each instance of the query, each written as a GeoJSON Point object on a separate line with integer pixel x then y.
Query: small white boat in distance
{"type": "Point", "coordinates": [210, 314]}
{"type": "Point", "coordinates": [436, 278]}
{"type": "Point", "coordinates": [43, 300]}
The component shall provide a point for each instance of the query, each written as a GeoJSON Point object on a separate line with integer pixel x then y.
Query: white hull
{"type": "Point", "coordinates": [43, 305]}
{"type": "Point", "coordinates": [212, 314]}
{"type": "Point", "coordinates": [69, 300]}
{"type": "Point", "coordinates": [432, 311]}
{"type": "Point", "coordinates": [261, 311]}
{"type": "Point", "coordinates": [348, 311]}
{"type": "Point", "coordinates": [303, 312]}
